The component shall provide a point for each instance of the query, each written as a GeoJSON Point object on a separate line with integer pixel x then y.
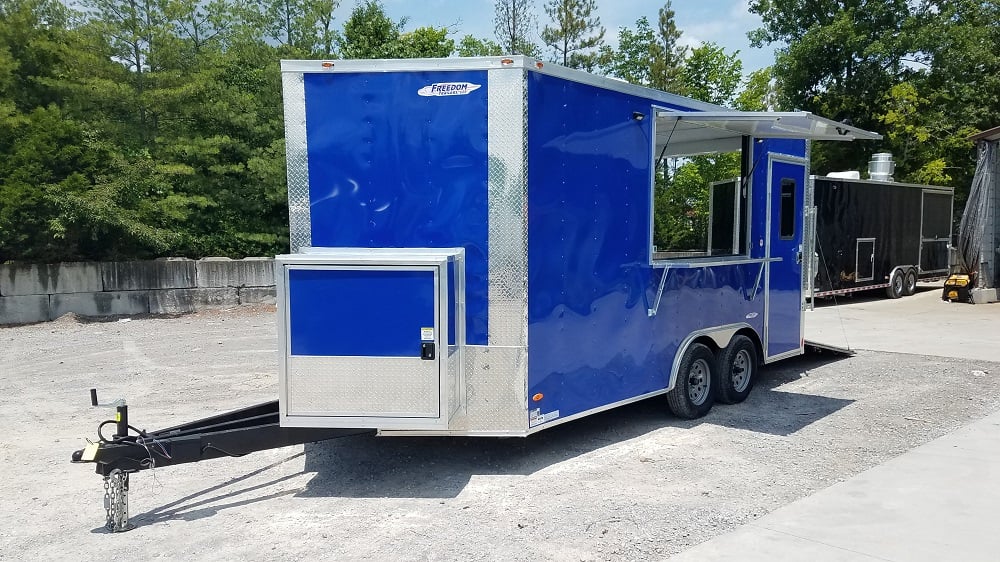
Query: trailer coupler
{"type": "Point", "coordinates": [232, 434]}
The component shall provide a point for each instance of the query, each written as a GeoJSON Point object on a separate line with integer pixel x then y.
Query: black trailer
{"type": "Point", "coordinates": [878, 234]}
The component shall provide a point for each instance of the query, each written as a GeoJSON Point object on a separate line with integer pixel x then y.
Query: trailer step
{"type": "Point", "coordinates": [819, 348]}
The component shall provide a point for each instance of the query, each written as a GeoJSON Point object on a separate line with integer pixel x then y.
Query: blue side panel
{"type": "Point", "coordinates": [591, 340]}
{"type": "Point", "coordinates": [788, 147]}
{"type": "Point", "coordinates": [389, 168]}
{"type": "Point", "coordinates": [358, 312]}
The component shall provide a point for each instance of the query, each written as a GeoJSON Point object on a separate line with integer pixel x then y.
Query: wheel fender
{"type": "Point", "coordinates": [720, 336]}
{"type": "Point", "coordinates": [902, 269]}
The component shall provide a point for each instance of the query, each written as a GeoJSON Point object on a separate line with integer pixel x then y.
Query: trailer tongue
{"type": "Point", "coordinates": [232, 434]}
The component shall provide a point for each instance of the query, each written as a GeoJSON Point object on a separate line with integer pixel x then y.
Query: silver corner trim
{"type": "Point", "coordinates": [507, 193]}
{"type": "Point", "coordinates": [297, 158]}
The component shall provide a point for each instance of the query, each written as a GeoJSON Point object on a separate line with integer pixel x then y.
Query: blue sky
{"type": "Point", "coordinates": [725, 22]}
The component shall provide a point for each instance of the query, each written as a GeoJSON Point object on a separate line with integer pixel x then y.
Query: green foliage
{"type": "Point", "coordinates": [669, 59]}
{"type": "Point", "coordinates": [681, 201]}
{"type": "Point", "coordinates": [633, 60]}
{"type": "Point", "coordinates": [758, 93]}
{"type": "Point", "coordinates": [575, 34]}
{"type": "Point", "coordinates": [426, 42]}
{"type": "Point", "coordinates": [647, 57]}
{"type": "Point", "coordinates": [711, 75]}
{"type": "Point", "coordinates": [471, 46]}
{"type": "Point", "coordinates": [145, 128]}
{"type": "Point", "coordinates": [926, 74]}
{"type": "Point", "coordinates": [513, 25]}
{"type": "Point", "coordinates": [370, 34]}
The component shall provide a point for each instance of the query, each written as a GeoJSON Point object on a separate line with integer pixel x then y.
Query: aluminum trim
{"type": "Point", "coordinates": [403, 65]}
{"type": "Point", "coordinates": [857, 259]}
{"type": "Point", "coordinates": [449, 433]}
{"type": "Point", "coordinates": [783, 355]}
{"type": "Point", "coordinates": [612, 84]}
{"type": "Point", "coordinates": [710, 262]}
{"type": "Point", "coordinates": [517, 62]}
{"type": "Point", "coordinates": [507, 193]}
{"type": "Point", "coordinates": [284, 342]}
{"type": "Point", "coordinates": [297, 161]}
{"type": "Point", "coordinates": [652, 186]}
{"type": "Point", "coordinates": [806, 246]}
{"type": "Point", "coordinates": [599, 409]}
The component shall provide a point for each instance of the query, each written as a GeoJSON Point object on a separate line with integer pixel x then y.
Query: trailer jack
{"type": "Point", "coordinates": [232, 434]}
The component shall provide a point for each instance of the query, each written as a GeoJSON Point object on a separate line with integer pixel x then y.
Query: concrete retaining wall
{"type": "Point", "coordinates": [36, 293]}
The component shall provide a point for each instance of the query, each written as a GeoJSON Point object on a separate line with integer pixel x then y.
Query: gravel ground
{"type": "Point", "coordinates": [632, 483]}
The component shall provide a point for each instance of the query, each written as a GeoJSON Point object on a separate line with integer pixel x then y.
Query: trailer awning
{"type": "Point", "coordinates": [690, 133]}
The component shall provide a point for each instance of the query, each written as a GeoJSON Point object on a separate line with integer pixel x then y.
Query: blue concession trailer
{"type": "Point", "coordinates": [472, 254]}
{"type": "Point", "coordinates": [472, 247]}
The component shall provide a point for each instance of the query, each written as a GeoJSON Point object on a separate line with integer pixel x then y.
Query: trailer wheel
{"type": "Point", "coordinates": [737, 370]}
{"type": "Point", "coordinates": [694, 391]}
{"type": "Point", "coordinates": [910, 283]}
{"type": "Point", "coordinates": [896, 285]}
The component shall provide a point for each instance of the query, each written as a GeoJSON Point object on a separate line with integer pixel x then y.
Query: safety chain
{"type": "Point", "coordinates": [116, 501]}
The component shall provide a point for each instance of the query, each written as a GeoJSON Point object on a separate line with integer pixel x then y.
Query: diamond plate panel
{"type": "Point", "coordinates": [363, 386]}
{"type": "Point", "coordinates": [508, 191]}
{"type": "Point", "coordinates": [456, 383]}
{"type": "Point", "coordinates": [496, 389]}
{"type": "Point", "coordinates": [299, 220]}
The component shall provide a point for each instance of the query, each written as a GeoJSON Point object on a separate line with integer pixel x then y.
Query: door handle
{"type": "Point", "coordinates": [427, 351]}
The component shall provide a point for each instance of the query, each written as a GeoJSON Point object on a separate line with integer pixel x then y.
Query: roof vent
{"type": "Point", "coordinates": [881, 167]}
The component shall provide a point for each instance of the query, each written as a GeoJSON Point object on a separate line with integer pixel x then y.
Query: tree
{"type": "Point", "coordinates": [757, 93]}
{"type": "Point", "coordinates": [369, 33]}
{"type": "Point", "coordinates": [840, 58]}
{"type": "Point", "coordinates": [711, 75]}
{"type": "Point", "coordinates": [669, 59]}
{"type": "Point", "coordinates": [471, 46]}
{"type": "Point", "coordinates": [513, 25]}
{"type": "Point", "coordinates": [304, 25]}
{"type": "Point", "coordinates": [633, 60]}
{"type": "Point", "coordinates": [576, 31]}
{"type": "Point", "coordinates": [426, 42]}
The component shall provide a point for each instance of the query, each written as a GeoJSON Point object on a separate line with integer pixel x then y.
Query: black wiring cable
{"type": "Point", "coordinates": [223, 451]}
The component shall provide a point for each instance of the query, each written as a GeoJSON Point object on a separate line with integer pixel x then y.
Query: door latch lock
{"type": "Point", "coordinates": [427, 351]}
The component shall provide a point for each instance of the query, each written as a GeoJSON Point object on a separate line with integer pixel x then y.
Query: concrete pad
{"type": "Point", "coordinates": [936, 502]}
{"type": "Point", "coordinates": [921, 324]}
{"type": "Point", "coordinates": [100, 304]}
{"type": "Point", "coordinates": [171, 273]}
{"type": "Point", "coordinates": [258, 295]}
{"type": "Point", "coordinates": [24, 309]}
{"type": "Point", "coordinates": [179, 301]}
{"type": "Point", "coordinates": [224, 272]}
{"type": "Point", "coordinates": [43, 279]}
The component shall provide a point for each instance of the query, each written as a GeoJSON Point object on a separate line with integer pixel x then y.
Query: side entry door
{"type": "Point", "coordinates": [786, 178]}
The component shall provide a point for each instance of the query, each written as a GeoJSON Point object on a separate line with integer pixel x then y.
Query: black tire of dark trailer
{"type": "Point", "coordinates": [896, 284]}
{"type": "Point", "coordinates": [910, 283]}
{"type": "Point", "coordinates": [737, 367]}
{"type": "Point", "coordinates": [694, 390]}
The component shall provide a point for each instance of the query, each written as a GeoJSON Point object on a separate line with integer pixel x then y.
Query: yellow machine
{"type": "Point", "coordinates": [956, 288]}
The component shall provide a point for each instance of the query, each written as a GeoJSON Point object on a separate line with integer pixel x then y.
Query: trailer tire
{"type": "Point", "coordinates": [910, 283]}
{"type": "Point", "coordinates": [737, 370]}
{"type": "Point", "coordinates": [896, 285]}
{"type": "Point", "coordinates": [694, 390]}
